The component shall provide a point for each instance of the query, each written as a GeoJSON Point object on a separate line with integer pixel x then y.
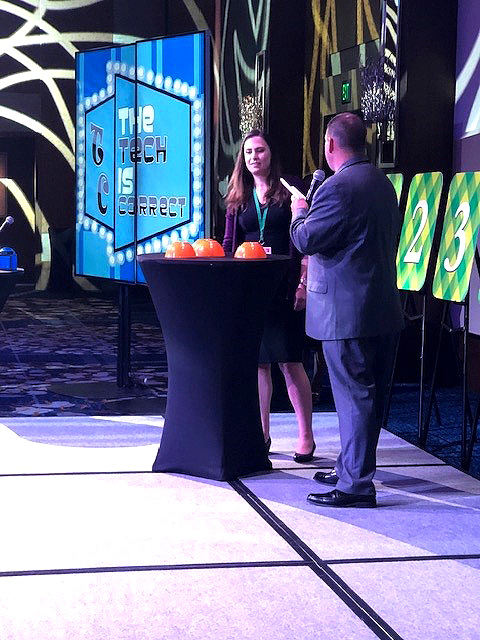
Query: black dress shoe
{"type": "Point", "coordinates": [326, 477]}
{"type": "Point", "coordinates": [338, 498]}
{"type": "Point", "coordinates": [304, 457]}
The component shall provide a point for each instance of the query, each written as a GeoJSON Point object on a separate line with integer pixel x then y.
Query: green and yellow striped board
{"type": "Point", "coordinates": [397, 180]}
{"type": "Point", "coordinates": [459, 238]}
{"type": "Point", "coordinates": [418, 230]}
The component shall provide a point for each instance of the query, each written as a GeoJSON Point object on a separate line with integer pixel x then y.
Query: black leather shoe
{"type": "Point", "coordinates": [338, 498]}
{"type": "Point", "coordinates": [304, 457]}
{"type": "Point", "coordinates": [326, 477]}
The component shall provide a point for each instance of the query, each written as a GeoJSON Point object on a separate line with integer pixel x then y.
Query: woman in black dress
{"type": "Point", "coordinates": [258, 209]}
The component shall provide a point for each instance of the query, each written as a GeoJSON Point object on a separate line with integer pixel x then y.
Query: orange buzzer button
{"type": "Point", "coordinates": [180, 250]}
{"type": "Point", "coordinates": [207, 248]}
{"type": "Point", "coordinates": [250, 250]}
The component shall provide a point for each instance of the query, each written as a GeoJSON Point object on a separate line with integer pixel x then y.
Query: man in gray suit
{"type": "Point", "coordinates": [350, 233]}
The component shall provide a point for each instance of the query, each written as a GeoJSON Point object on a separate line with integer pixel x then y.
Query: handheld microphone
{"type": "Point", "coordinates": [8, 220]}
{"type": "Point", "coordinates": [317, 179]}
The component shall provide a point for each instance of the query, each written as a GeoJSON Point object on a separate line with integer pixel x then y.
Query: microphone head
{"type": "Point", "coordinates": [9, 220]}
{"type": "Point", "coordinates": [319, 175]}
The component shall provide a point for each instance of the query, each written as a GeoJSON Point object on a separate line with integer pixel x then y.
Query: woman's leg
{"type": "Point", "coordinates": [300, 394]}
{"type": "Point", "coordinates": [265, 389]}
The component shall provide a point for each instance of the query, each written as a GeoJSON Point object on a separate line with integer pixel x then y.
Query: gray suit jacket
{"type": "Point", "coordinates": [350, 232]}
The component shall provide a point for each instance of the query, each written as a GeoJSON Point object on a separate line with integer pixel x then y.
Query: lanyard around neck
{"type": "Point", "coordinates": [261, 215]}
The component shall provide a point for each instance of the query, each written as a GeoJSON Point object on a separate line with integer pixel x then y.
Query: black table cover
{"type": "Point", "coordinates": [212, 313]}
{"type": "Point", "coordinates": [8, 280]}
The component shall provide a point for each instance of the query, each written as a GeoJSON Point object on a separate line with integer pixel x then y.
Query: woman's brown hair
{"type": "Point", "coordinates": [241, 183]}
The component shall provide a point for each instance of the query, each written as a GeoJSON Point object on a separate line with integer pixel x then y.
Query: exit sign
{"type": "Point", "coordinates": [346, 92]}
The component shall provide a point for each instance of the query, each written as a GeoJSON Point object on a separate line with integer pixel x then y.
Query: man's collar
{"type": "Point", "coordinates": [355, 159]}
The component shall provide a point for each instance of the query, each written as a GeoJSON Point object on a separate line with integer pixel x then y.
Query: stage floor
{"type": "Point", "coordinates": [94, 545]}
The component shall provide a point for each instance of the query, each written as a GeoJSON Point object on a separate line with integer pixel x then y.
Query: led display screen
{"type": "Point", "coordinates": [142, 149]}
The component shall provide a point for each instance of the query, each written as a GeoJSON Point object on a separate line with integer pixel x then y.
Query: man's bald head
{"type": "Point", "coordinates": [349, 132]}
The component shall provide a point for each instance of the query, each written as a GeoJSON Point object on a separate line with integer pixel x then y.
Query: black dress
{"type": "Point", "coordinates": [284, 333]}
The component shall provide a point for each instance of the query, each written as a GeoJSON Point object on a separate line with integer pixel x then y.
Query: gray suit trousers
{"type": "Point", "coordinates": [359, 369]}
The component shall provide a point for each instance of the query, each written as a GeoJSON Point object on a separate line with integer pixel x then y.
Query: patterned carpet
{"type": "Point", "coordinates": [59, 357]}
{"type": "Point", "coordinates": [52, 344]}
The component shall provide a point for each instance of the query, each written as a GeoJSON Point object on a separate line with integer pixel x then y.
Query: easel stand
{"type": "Point", "coordinates": [473, 439]}
{"type": "Point", "coordinates": [412, 316]}
{"type": "Point", "coordinates": [469, 423]}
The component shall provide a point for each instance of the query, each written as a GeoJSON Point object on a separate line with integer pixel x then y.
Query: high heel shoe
{"type": "Point", "coordinates": [304, 457]}
{"type": "Point", "coordinates": [268, 444]}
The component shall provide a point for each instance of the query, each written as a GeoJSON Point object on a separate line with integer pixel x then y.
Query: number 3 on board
{"type": "Point", "coordinates": [464, 210]}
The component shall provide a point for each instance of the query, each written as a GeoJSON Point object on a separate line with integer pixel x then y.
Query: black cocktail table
{"type": "Point", "coordinates": [212, 313]}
